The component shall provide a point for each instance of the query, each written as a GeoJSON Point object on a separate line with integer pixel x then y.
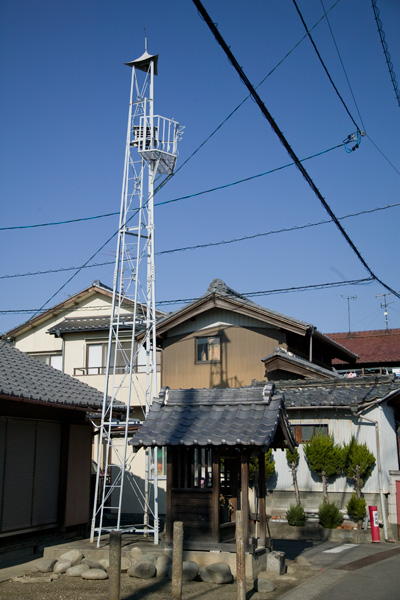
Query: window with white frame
{"type": "Point", "coordinates": [53, 360]}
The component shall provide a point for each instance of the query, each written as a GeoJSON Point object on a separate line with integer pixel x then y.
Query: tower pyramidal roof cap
{"type": "Point", "coordinates": [143, 62]}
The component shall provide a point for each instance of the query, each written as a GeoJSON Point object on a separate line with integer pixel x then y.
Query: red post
{"type": "Point", "coordinates": [373, 518]}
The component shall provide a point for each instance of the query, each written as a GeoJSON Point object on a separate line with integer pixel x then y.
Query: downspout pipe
{"type": "Point", "coordinates": [379, 465]}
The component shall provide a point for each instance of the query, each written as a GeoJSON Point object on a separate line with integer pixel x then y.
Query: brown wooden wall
{"type": "Point", "coordinates": [194, 508]}
{"type": "Point", "coordinates": [241, 352]}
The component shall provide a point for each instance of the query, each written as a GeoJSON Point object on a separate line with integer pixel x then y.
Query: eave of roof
{"type": "Point", "coordinates": [238, 417]}
{"type": "Point", "coordinates": [338, 393]}
{"type": "Point", "coordinates": [25, 378]}
{"type": "Point", "coordinates": [238, 303]}
{"type": "Point", "coordinates": [280, 359]}
{"type": "Point", "coordinates": [95, 288]}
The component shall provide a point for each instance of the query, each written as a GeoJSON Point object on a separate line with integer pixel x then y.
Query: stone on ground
{"type": "Point", "coordinates": [142, 569]}
{"type": "Point", "coordinates": [136, 554]}
{"type": "Point", "coordinates": [77, 570]}
{"type": "Point", "coordinates": [62, 566]}
{"type": "Point", "coordinates": [91, 563]}
{"type": "Point", "coordinates": [301, 560]}
{"type": "Point", "coordinates": [276, 562]}
{"type": "Point", "coordinates": [190, 570]}
{"type": "Point", "coordinates": [94, 574]}
{"type": "Point", "coordinates": [125, 564]}
{"type": "Point", "coordinates": [264, 585]}
{"type": "Point", "coordinates": [45, 565]}
{"type": "Point", "coordinates": [75, 556]}
{"type": "Point", "coordinates": [162, 565]}
{"type": "Point", "coordinates": [216, 573]}
{"type": "Point", "coordinates": [105, 563]}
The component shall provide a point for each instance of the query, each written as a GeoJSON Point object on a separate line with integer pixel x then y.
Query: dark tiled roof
{"type": "Point", "coordinates": [24, 377]}
{"type": "Point", "coordinates": [379, 346]}
{"type": "Point", "coordinates": [90, 324]}
{"type": "Point", "coordinates": [337, 392]}
{"type": "Point", "coordinates": [215, 417]}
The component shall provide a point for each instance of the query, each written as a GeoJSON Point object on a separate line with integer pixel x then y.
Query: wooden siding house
{"type": "Point", "coordinates": [219, 340]}
{"type": "Point", "coordinates": [45, 446]}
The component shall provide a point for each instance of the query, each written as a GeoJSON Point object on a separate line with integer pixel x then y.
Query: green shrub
{"type": "Point", "coordinates": [356, 507]}
{"type": "Point", "coordinates": [329, 515]}
{"type": "Point", "coordinates": [296, 516]}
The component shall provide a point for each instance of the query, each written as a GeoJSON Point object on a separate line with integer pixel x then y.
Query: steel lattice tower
{"type": "Point", "coordinates": [150, 156]}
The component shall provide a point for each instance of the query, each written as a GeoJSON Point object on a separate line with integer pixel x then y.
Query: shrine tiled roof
{"type": "Point", "coordinates": [217, 417]}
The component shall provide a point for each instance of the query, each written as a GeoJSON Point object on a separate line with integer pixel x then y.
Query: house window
{"type": "Point", "coordinates": [96, 358]}
{"type": "Point", "coordinates": [208, 349]}
{"type": "Point", "coordinates": [304, 433]}
{"type": "Point", "coordinates": [53, 360]}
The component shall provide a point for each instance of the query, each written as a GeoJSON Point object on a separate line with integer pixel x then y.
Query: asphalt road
{"type": "Point", "coordinates": [348, 571]}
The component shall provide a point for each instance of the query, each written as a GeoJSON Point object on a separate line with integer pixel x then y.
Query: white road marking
{"type": "Point", "coordinates": [340, 548]}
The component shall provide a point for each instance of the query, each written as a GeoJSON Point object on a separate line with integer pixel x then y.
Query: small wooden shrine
{"type": "Point", "coordinates": [216, 442]}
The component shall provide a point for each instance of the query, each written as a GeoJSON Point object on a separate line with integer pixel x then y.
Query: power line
{"type": "Point", "coordinates": [173, 174]}
{"type": "Point", "coordinates": [352, 93]}
{"type": "Point", "coordinates": [302, 288]}
{"type": "Point", "coordinates": [283, 140]}
{"type": "Point", "coordinates": [341, 62]}
{"type": "Point", "coordinates": [324, 66]}
{"type": "Point", "coordinates": [188, 196]}
{"type": "Point", "coordinates": [386, 51]}
{"type": "Point", "coordinates": [211, 244]}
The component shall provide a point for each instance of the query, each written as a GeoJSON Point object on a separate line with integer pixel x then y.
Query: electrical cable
{"type": "Point", "coordinates": [352, 93]}
{"type": "Point", "coordinates": [341, 62]}
{"type": "Point", "coordinates": [283, 140]}
{"type": "Point", "coordinates": [386, 51]}
{"type": "Point", "coordinates": [211, 244]}
{"type": "Point", "coordinates": [324, 67]}
{"type": "Point", "coordinates": [247, 97]}
{"type": "Point", "coordinates": [214, 189]}
{"type": "Point", "coordinates": [302, 288]}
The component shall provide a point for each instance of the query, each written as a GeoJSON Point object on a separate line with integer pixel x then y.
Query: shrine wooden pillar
{"type": "Point", "coordinates": [261, 500]}
{"type": "Point", "coordinates": [215, 495]}
{"type": "Point", "coordinates": [244, 484]}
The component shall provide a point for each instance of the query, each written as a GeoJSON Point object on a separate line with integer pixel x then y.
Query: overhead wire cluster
{"type": "Point", "coordinates": [285, 142]}
{"type": "Point", "coordinates": [351, 143]}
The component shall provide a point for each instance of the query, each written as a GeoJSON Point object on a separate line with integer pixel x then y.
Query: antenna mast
{"type": "Point", "coordinates": [348, 298]}
{"type": "Point", "coordinates": [384, 305]}
{"type": "Point", "coordinates": [150, 155]}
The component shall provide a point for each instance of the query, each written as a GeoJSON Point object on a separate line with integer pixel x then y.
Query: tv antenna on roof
{"type": "Point", "coordinates": [384, 305]}
{"type": "Point", "coordinates": [348, 298]}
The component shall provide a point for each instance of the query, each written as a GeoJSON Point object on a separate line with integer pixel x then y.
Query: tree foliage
{"type": "Point", "coordinates": [356, 508]}
{"type": "Point", "coordinates": [329, 515]}
{"type": "Point", "coordinates": [324, 457]}
{"type": "Point", "coordinates": [359, 462]}
{"type": "Point", "coordinates": [269, 467]}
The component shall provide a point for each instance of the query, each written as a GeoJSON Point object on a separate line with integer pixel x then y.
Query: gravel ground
{"type": "Point", "coordinates": [36, 586]}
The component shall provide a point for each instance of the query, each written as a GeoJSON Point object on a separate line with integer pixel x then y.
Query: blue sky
{"type": "Point", "coordinates": [64, 107]}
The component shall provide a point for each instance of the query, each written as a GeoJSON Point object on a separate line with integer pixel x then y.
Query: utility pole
{"type": "Point", "coordinates": [348, 298]}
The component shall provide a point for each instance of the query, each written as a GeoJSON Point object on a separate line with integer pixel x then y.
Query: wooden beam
{"type": "Point", "coordinates": [168, 519]}
{"type": "Point", "coordinates": [261, 499]}
{"type": "Point", "coordinates": [244, 485]}
{"type": "Point", "coordinates": [215, 496]}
